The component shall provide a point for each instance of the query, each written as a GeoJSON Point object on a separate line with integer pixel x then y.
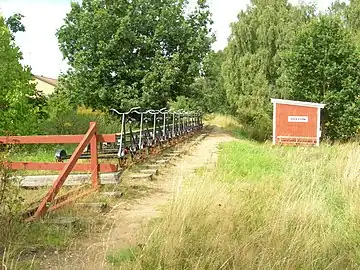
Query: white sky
{"type": "Point", "coordinates": [43, 17]}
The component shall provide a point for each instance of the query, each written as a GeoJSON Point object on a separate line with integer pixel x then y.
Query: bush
{"type": "Point", "coordinates": [323, 66]}
{"type": "Point", "coordinates": [184, 103]}
{"type": "Point", "coordinates": [257, 124]}
{"type": "Point", "coordinates": [10, 204]}
{"type": "Point", "coordinates": [19, 101]}
{"type": "Point", "coordinates": [64, 118]}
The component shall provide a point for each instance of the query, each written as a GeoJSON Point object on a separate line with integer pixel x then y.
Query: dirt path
{"type": "Point", "coordinates": [128, 218]}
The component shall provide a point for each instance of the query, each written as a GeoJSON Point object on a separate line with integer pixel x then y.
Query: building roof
{"type": "Point", "coordinates": [297, 103]}
{"type": "Point", "coordinates": [50, 81]}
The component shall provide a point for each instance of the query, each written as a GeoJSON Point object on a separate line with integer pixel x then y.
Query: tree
{"type": "Point", "coordinates": [130, 53]}
{"type": "Point", "coordinates": [210, 85]}
{"type": "Point", "coordinates": [323, 66]}
{"type": "Point", "coordinates": [14, 23]}
{"type": "Point", "coordinates": [252, 67]}
{"type": "Point", "coordinates": [349, 13]}
{"type": "Point", "coordinates": [17, 93]}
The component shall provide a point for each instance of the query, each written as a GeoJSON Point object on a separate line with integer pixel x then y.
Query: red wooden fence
{"type": "Point", "coordinates": [91, 137]}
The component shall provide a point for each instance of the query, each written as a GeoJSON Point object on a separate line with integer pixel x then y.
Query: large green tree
{"type": "Point", "coordinates": [252, 67]}
{"type": "Point", "coordinates": [129, 53]}
{"type": "Point", "coordinates": [210, 95]}
{"type": "Point", "coordinates": [323, 65]}
{"type": "Point", "coordinates": [17, 93]}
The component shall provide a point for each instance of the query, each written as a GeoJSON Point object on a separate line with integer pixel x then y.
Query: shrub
{"type": "Point", "coordinates": [64, 118]}
{"type": "Point", "coordinates": [256, 123]}
{"type": "Point", "coordinates": [10, 204]}
{"type": "Point", "coordinates": [323, 66]}
{"type": "Point", "coordinates": [184, 103]}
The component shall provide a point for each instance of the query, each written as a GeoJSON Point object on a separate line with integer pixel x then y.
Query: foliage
{"type": "Point", "coordinates": [209, 87]}
{"type": "Point", "coordinates": [10, 203]}
{"type": "Point", "coordinates": [14, 23]}
{"type": "Point", "coordinates": [18, 97]}
{"type": "Point", "coordinates": [208, 92]}
{"type": "Point", "coordinates": [65, 118]}
{"type": "Point", "coordinates": [252, 65]}
{"type": "Point", "coordinates": [9, 191]}
{"type": "Point", "coordinates": [348, 12]}
{"type": "Point", "coordinates": [133, 53]}
{"type": "Point", "coordinates": [323, 66]}
{"type": "Point", "coordinates": [184, 103]}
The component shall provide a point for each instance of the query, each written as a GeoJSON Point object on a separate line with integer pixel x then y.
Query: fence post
{"type": "Point", "coordinates": [50, 196]}
{"type": "Point", "coordinates": [94, 159]}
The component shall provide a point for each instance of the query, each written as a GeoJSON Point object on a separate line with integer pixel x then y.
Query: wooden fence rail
{"type": "Point", "coordinates": [91, 137]}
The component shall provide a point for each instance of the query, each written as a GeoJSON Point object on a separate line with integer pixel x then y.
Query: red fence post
{"type": "Point", "coordinates": [94, 160]}
{"type": "Point", "coordinates": [50, 196]}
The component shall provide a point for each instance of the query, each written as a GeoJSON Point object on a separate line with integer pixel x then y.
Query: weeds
{"type": "Point", "coordinates": [21, 241]}
{"type": "Point", "coordinates": [10, 203]}
{"type": "Point", "coordinates": [263, 207]}
{"type": "Point", "coordinates": [124, 255]}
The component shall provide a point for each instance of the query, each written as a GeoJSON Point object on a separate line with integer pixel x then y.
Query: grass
{"type": "Point", "coordinates": [38, 153]}
{"type": "Point", "coordinates": [124, 255]}
{"type": "Point", "coordinates": [248, 161]}
{"type": "Point", "coordinates": [262, 207]}
{"type": "Point", "coordinates": [21, 242]}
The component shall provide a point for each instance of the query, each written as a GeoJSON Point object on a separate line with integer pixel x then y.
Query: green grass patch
{"type": "Point", "coordinates": [123, 255]}
{"type": "Point", "coordinates": [263, 207]}
{"type": "Point", "coordinates": [49, 236]}
{"type": "Point", "coordinates": [38, 153]}
{"type": "Point", "coordinates": [249, 161]}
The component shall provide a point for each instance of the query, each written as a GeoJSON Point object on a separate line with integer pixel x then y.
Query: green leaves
{"type": "Point", "coordinates": [127, 53]}
{"type": "Point", "coordinates": [323, 66]}
{"type": "Point", "coordinates": [18, 97]}
{"type": "Point", "coordinates": [253, 59]}
{"type": "Point", "coordinates": [14, 23]}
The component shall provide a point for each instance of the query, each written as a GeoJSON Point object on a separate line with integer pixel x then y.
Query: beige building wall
{"type": "Point", "coordinates": [46, 88]}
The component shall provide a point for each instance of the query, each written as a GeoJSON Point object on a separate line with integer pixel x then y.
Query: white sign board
{"type": "Point", "coordinates": [298, 119]}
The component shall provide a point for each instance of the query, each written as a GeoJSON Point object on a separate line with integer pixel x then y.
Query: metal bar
{"type": "Point", "coordinates": [44, 205]}
{"type": "Point", "coordinates": [164, 125]}
{"type": "Point", "coordinates": [94, 161]}
{"type": "Point", "coordinates": [141, 127]}
{"type": "Point", "coordinates": [56, 166]}
{"type": "Point", "coordinates": [154, 128]}
{"type": "Point", "coordinates": [121, 134]}
{"type": "Point", "coordinates": [53, 139]}
{"type": "Point", "coordinates": [173, 127]}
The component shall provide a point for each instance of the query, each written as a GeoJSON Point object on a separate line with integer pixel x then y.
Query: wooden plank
{"type": "Point", "coordinates": [115, 194]}
{"type": "Point", "coordinates": [73, 179]}
{"type": "Point", "coordinates": [154, 172]}
{"type": "Point", "coordinates": [162, 161]}
{"type": "Point", "coordinates": [171, 155]}
{"type": "Point", "coordinates": [56, 166]}
{"type": "Point", "coordinates": [93, 205]}
{"type": "Point", "coordinates": [152, 166]}
{"type": "Point", "coordinates": [296, 137]}
{"type": "Point", "coordinates": [53, 139]}
{"type": "Point", "coordinates": [142, 176]}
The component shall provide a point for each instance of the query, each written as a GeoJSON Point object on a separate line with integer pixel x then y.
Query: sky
{"type": "Point", "coordinates": [43, 17]}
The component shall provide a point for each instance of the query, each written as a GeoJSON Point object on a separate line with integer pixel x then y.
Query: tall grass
{"type": "Point", "coordinates": [18, 239]}
{"type": "Point", "coordinates": [262, 207]}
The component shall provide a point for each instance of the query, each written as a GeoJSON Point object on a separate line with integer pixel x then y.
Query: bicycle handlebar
{"type": "Point", "coordinates": [131, 110]}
